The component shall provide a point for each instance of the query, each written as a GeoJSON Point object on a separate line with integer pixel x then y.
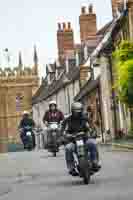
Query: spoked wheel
{"type": "Point", "coordinates": [54, 154]}
{"type": "Point", "coordinates": [85, 171]}
{"type": "Point", "coordinates": [86, 177]}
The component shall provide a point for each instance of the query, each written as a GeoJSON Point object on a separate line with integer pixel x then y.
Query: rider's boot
{"type": "Point", "coordinates": [73, 172]}
{"type": "Point", "coordinates": [96, 166]}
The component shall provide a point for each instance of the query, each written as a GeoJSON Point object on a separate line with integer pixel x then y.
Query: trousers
{"type": "Point", "coordinates": [70, 149]}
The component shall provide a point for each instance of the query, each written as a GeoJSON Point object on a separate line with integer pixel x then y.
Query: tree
{"type": "Point", "coordinates": [124, 67]}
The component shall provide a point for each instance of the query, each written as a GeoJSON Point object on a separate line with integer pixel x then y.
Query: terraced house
{"type": "Point", "coordinates": [67, 75]}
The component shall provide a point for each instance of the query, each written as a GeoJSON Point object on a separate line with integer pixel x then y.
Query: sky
{"type": "Point", "coordinates": [25, 23]}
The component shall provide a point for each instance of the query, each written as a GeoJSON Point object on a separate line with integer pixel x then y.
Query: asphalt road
{"type": "Point", "coordinates": [38, 176]}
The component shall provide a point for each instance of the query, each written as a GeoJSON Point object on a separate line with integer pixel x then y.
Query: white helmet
{"type": "Point", "coordinates": [52, 103]}
{"type": "Point", "coordinates": [26, 112]}
{"type": "Point", "coordinates": [77, 107]}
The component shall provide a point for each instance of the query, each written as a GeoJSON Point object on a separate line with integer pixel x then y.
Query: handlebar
{"type": "Point", "coordinates": [76, 135]}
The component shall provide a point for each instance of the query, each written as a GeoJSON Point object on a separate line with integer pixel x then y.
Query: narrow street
{"type": "Point", "coordinates": [37, 175]}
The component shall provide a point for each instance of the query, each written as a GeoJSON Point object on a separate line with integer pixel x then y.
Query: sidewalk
{"type": "Point", "coordinates": [123, 144]}
{"type": "Point", "coordinates": [119, 145]}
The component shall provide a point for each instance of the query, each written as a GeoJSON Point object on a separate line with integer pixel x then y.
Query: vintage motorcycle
{"type": "Point", "coordinates": [83, 164]}
{"type": "Point", "coordinates": [52, 137]}
{"type": "Point", "coordinates": [27, 136]}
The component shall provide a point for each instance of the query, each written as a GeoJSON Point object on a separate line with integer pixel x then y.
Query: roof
{"type": "Point", "coordinates": [87, 88]}
{"type": "Point", "coordinates": [56, 85]}
{"type": "Point", "coordinates": [104, 29]}
{"type": "Point", "coordinates": [103, 44]}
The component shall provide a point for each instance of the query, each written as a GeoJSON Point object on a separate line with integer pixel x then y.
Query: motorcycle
{"type": "Point", "coordinates": [53, 136]}
{"type": "Point", "coordinates": [83, 164]}
{"type": "Point", "coordinates": [27, 137]}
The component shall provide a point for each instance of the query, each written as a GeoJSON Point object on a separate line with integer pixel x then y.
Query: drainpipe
{"type": "Point", "coordinates": [100, 103]}
{"type": "Point", "coordinates": [113, 95]}
{"type": "Point", "coordinates": [69, 106]}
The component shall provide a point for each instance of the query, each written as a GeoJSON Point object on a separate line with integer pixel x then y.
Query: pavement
{"type": "Point", "coordinates": [38, 175]}
{"type": "Point", "coordinates": [125, 144]}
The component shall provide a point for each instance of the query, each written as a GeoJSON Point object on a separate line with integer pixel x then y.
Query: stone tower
{"type": "Point", "coordinates": [87, 21]}
{"type": "Point", "coordinates": [16, 90]}
{"type": "Point", "coordinates": [65, 40]}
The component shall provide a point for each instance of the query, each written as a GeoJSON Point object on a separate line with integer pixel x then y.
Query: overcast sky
{"type": "Point", "coordinates": [24, 23]}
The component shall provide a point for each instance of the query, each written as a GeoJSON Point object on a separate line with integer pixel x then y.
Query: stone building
{"type": "Point", "coordinates": [16, 89]}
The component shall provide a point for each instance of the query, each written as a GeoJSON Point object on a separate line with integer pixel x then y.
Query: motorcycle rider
{"type": "Point", "coordinates": [26, 121]}
{"type": "Point", "coordinates": [76, 122]}
{"type": "Point", "coordinates": [52, 115]}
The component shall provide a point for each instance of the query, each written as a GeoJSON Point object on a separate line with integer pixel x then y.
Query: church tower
{"type": "Point", "coordinates": [35, 59]}
{"type": "Point", "coordinates": [17, 86]}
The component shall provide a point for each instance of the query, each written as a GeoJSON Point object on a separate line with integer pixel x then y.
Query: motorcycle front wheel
{"type": "Point", "coordinates": [85, 171]}
{"type": "Point", "coordinates": [54, 154]}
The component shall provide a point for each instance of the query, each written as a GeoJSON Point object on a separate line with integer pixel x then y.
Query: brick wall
{"type": "Point", "coordinates": [87, 21]}
{"type": "Point", "coordinates": [65, 40]}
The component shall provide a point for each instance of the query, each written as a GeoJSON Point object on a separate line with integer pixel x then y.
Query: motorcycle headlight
{"type": "Point", "coordinates": [28, 133]}
{"type": "Point", "coordinates": [54, 126]}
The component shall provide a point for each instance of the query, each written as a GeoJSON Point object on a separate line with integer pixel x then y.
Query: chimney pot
{"type": "Point", "coordinates": [59, 26]}
{"type": "Point", "coordinates": [83, 10]}
{"type": "Point", "coordinates": [90, 9]}
{"type": "Point", "coordinates": [64, 26]}
{"type": "Point", "coordinates": [69, 25]}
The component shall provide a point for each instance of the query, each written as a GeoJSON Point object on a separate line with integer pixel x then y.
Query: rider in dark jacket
{"type": "Point", "coordinates": [77, 122]}
{"type": "Point", "coordinates": [26, 121]}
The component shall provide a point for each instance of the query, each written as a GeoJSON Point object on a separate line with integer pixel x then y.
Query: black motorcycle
{"type": "Point", "coordinates": [28, 137]}
{"type": "Point", "coordinates": [83, 164]}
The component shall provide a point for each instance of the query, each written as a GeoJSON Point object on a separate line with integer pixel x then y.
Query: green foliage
{"type": "Point", "coordinates": [124, 65]}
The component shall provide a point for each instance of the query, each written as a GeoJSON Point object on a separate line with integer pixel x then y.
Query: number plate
{"type": "Point", "coordinates": [79, 142]}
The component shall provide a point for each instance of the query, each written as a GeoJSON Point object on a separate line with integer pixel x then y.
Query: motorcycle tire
{"type": "Point", "coordinates": [54, 154]}
{"type": "Point", "coordinates": [85, 171]}
{"type": "Point", "coordinates": [86, 178]}
{"type": "Point", "coordinates": [29, 148]}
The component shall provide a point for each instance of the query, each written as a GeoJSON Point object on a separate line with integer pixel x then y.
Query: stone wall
{"type": "Point", "coordinates": [16, 90]}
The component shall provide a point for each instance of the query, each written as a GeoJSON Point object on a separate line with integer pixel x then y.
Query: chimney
{"type": "Point", "coordinates": [65, 40]}
{"type": "Point", "coordinates": [60, 39]}
{"type": "Point", "coordinates": [87, 21]}
{"type": "Point", "coordinates": [114, 7]}
{"type": "Point", "coordinates": [122, 4]}
{"type": "Point", "coordinates": [90, 9]}
{"type": "Point", "coordinates": [83, 10]}
{"type": "Point", "coordinates": [84, 75]}
{"type": "Point", "coordinates": [59, 26]}
{"type": "Point", "coordinates": [68, 38]}
{"type": "Point", "coordinates": [119, 5]}
{"type": "Point", "coordinates": [64, 26]}
{"type": "Point", "coordinates": [69, 25]}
